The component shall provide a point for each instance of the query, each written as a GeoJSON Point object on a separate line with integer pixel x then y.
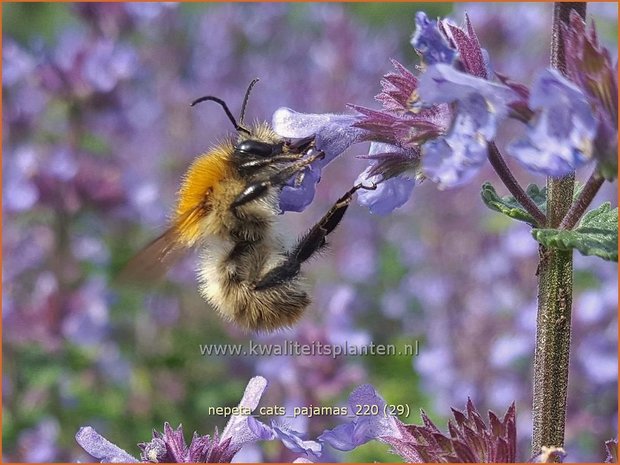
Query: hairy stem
{"type": "Point", "coordinates": [555, 291]}
{"type": "Point", "coordinates": [576, 211]}
{"type": "Point", "coordinates": [504, 173]}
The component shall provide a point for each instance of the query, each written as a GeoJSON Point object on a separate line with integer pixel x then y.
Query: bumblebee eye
{"type": "Point", "coordinates": [255, 148]}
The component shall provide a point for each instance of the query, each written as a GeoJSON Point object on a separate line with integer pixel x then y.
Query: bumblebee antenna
{"type": "Point", "coordinates": [224, 106]}
{"type": "Point", "coordinates": [245, 99]}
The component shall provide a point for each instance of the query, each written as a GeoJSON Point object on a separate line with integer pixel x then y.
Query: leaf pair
{"type": "Point", "coordinates": [596, 234]}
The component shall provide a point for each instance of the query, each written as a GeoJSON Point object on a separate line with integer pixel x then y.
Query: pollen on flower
{"type": "Point", "coordinates": [413, 102]}
{"type": "Point", "coordinates": [155, 450]}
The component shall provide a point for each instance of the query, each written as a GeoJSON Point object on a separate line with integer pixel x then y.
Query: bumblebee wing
{"type": "Point", "coordinates": [154, 260]}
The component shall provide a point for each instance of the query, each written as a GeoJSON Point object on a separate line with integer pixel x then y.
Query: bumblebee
{"type": "Point", "coordinates": [226, 207]}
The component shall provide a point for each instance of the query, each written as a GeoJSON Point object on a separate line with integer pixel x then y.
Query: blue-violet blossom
{"type": "Point", "coordinates": [480, 106]}
{"type": "Point", "coordinates": [170, 446]}
{"type": "Point", "coordinates": [560, 137]}
{"type": "Point", "coordinates": [469, 438]}
{"type": "Point", "coordinates": [333, 135]}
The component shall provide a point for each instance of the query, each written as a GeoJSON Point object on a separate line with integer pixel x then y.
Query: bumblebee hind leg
{"type": "Point", "coordinates": [310, 243]}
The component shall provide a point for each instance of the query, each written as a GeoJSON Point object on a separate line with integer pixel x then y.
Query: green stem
{"type": "Point", "coordinates": [555, 292]}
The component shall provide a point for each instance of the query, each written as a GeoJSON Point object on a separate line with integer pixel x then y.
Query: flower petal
{"type": "Point", "coordinates": [386, 171]}
{"type": "Point", "coordinates": [444, 84]}
{"type": "Point", "coordinates": [430, 42]}
{"type": "Point", "coordinates": [260, 429]}
{"type": "Point", "coordinates": [453, 160]}
{"type": "Point", "coordinates": [292, 440]}
{"type": "Point", "coordinates": [363, 428]}
{"type": "Point", "coordinates": [237, 428]}
{"type": "Point", "coordinates": [560, 138]}
{"type": "Point", "coordinates": [345, 437]}
{"type": "Point", "coordinates": [390, 193]}
{"type": "Point", "coordinates": [297, 197]}
{"type": "Point", "coordinates": [100, 448]}
{"type": "Point", "coordinates": [333, 135]}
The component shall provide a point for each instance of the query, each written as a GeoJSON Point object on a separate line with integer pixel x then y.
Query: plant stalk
{"type": "Point", "coordinates": [499, 165]}
{"type": "Point", "coordinates": [555, 291]}
{"type": "Point", "coordinates": [591, 188]}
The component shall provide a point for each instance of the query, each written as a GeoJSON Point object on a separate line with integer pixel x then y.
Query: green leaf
{"type": "Point", "coordinates": [597, 234]}
{"type": "Point", "coordinates": [509, 206]}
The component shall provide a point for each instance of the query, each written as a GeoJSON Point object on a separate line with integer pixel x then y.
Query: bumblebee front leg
{"type": "Point", "coordinates": [310, 243]}
{"type": "Point", "coordinates": [249, 167]}
{"type": "Point", "coordinates": [259, 188]}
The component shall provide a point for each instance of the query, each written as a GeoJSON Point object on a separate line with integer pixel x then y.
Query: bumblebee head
{"type": "Point", "coordinates": [259, 142]}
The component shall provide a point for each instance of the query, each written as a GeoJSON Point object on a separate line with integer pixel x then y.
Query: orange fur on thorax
{"type": "Point", "coordinates": [201, 179]}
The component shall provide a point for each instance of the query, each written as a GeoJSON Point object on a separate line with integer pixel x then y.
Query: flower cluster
{"type": "Point", "coordinates": [170, 446]}
{"type": "Point", "coordinates": [469, 438]}
{"type": "Point", "coordinates": [589, 66]}
{"type": "Point", "coordinates": [439, 125]}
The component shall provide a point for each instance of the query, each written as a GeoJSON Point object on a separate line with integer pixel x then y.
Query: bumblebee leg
{"type": "Point", "coordinates": [311, 242]}
{"type": "Point", "coordinates": [250, 166]}
{"type": "Point", "coordinates": [260, 188]}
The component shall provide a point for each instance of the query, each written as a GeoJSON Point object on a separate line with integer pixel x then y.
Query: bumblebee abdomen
{"type": "Point", "coordinates": [261, 311]}
{"type": "Point", "coordinates": [227, 278]}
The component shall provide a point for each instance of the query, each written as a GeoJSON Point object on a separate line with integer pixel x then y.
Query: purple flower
{"type": "Point", "coordinates": [19, 192]}
{"type": "Point", "coordinates": [100, 448]}
{"type": "Point", "coordinates": [469, 439]}
{"type": "Point", "coordinates": [453, 160]}
{"type": "Point", "coordinates": [363, 428]}
{"type": "Point", "coordinates": [148, 11]}
{"type": "Point", "coordinates": [389, 195]}
{"type": "Point", "coordinates": [386, 171]}
{"type": "Point", "coordinates": [333, 135]}
{"type": "Point", "coordinates": [237, 428]}
{"type": "Point", "coordinates": [429, 42]}
{"type": "Point", "coordinates": [589, 65]}
{"type": "Point", "coordinates": [398, 90]}
{"type": "Point", "coordinates": [82, 65]}
{"type": "Point", "coordinates": [560, 137]}
{"type": "Point", "coordinates": [443, 42]}
{"type": "Point", "coordinates": [297, 196]}
{"type": "Point", "coordinates": [486, 101]}
{"type": "Point", "coordinates": [170, 446]}
{"type": "Point", "coordinates": [402, 121]}
{"type": "Point", "coordinates": [480, 106]}
{"type": "Point", "coordinates": [40, 443]}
